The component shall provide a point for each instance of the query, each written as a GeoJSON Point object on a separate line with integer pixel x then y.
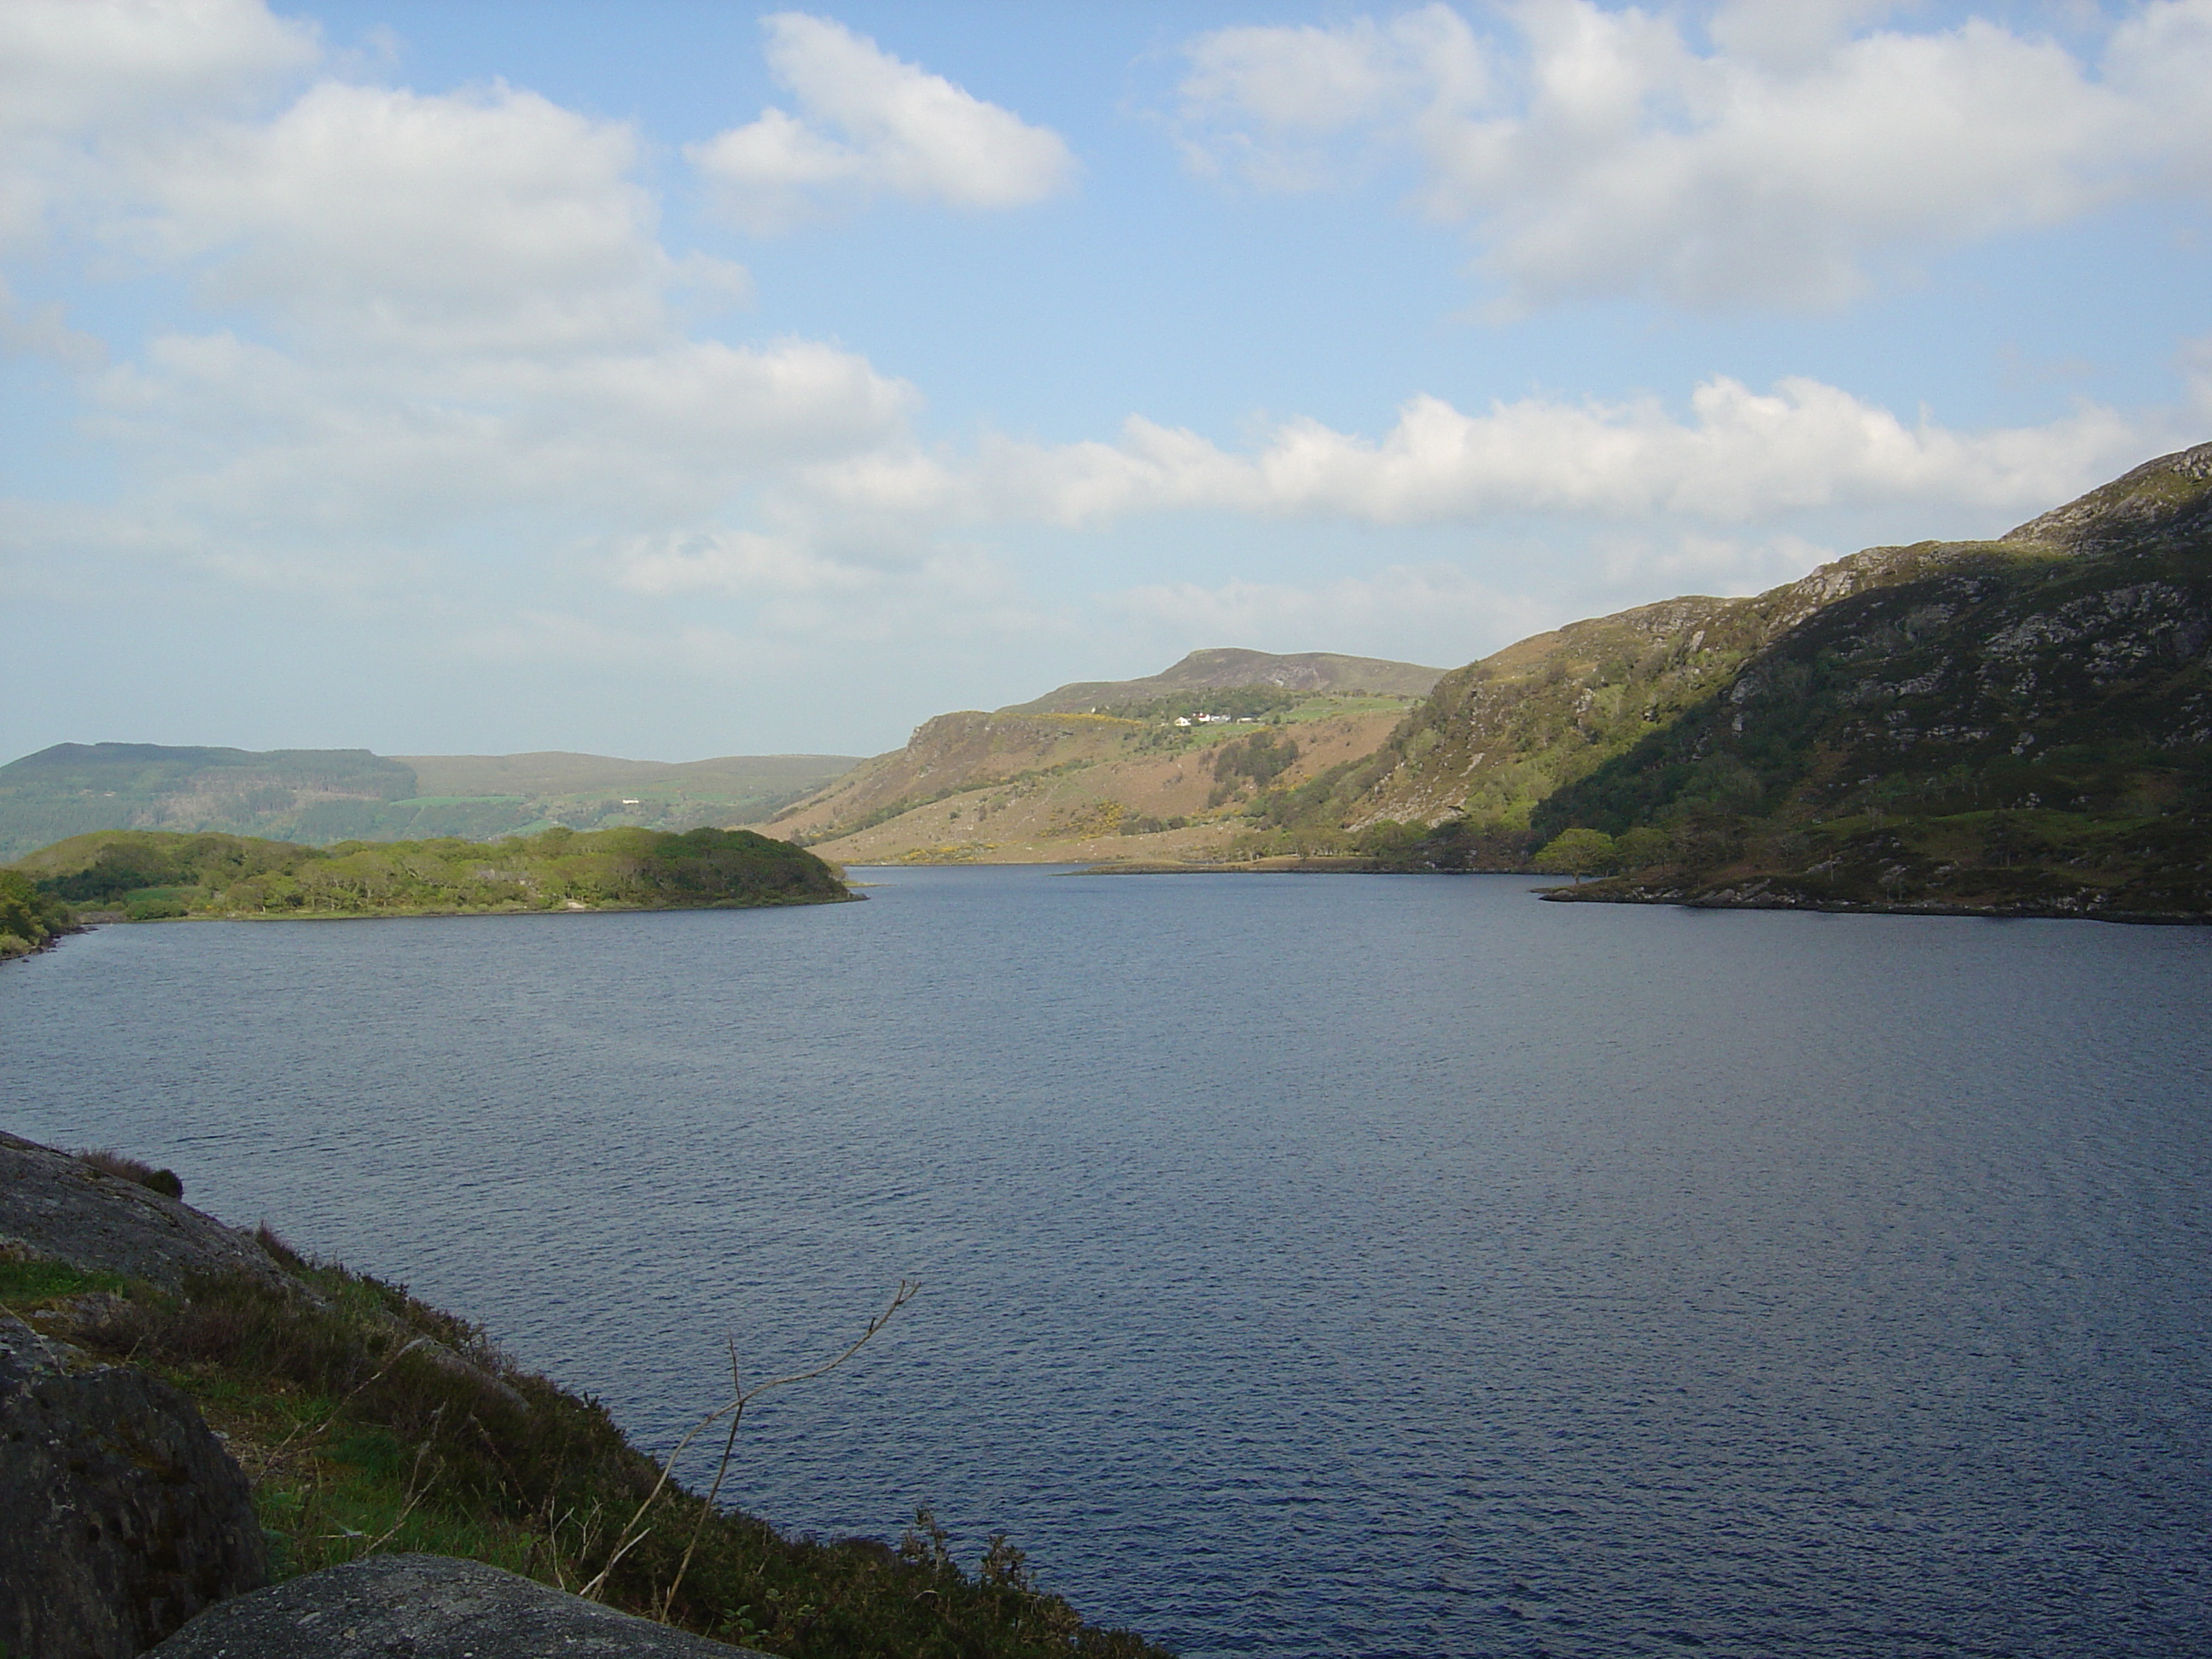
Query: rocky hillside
{"type": "Point", "coordinates": [2017, 725]}
{"type": "Point", "coordinates": [1499, 737]}
{"type": "Point", "coordinates": [1130, 791]}
{"type": "Point", "coordinates": [1167, 775]}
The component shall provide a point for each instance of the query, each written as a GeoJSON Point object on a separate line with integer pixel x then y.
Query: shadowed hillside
{"type": "Point", "coordinates": [2019, 725]}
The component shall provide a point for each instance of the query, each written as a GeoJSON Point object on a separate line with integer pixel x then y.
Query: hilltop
{"type": "Point", "coordinates": [1304, 673]}
{"type": "Point", "coordinates": [1156, 767]}
{"type": "Point", "coordinates": [320, 796]}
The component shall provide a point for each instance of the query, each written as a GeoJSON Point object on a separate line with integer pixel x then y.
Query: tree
{"type": "Point", "coordinates": [1577, 853]}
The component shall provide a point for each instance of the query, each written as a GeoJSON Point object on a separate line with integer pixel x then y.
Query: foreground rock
{"type": "Point", "coordinates": [425, 1607]}
{"type": "Point", "coordinates": [123, 1516]}
{"type": "Point", "coordinates": [63, 1209]}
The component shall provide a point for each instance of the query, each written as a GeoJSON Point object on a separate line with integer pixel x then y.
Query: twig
{"type": "Point", "coordinates": [734, 1410]}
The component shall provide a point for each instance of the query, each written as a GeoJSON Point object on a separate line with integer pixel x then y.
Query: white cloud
{"type": "Point", "coordinates": [43, 331]}
{"type": "Point", "coordinates": [329, 456]}
{"type": "Point", "coordinates": [871, 124]}
{"type": "Point", "coordinates": [1739, 455]}
{"type": "Point", "coordinates": [1300, 84]}
{"type": "Point", "coordinates": [458, 377]}
{"type": "Point", "coordinates": [71, 65]}
{"type": "Point", "coordinates": [460, 308]}
{"type": "Point", "coordinates": [81, 80]}
{"type": "Point", "coordinates": [735, 562]}
{"type": "Point", "coordinates": [495, 222]}
{"type": "Point", "coordinates": [1403, 603]}
{"type": "Point", "coordinates": [1598, 151]}
{"type": "Point", "coordinates": [1695, 561]}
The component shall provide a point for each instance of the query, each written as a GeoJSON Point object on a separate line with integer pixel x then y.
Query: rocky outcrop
{"type": "Point", "coordinates": [2162, 502]}
{"type": "Point", "coordinates": [426, 1607]}
{"type": "Point", "coordinates": [62, 1207]}
{"type": "Point", "coordinates": [123, 1516]}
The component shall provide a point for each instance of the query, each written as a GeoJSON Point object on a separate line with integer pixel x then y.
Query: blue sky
{"type": "Point", "coordinates": [671, 379]}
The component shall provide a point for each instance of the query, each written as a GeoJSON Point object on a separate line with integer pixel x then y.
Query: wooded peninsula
{"type": "Point", "coordinates": [140, 875]}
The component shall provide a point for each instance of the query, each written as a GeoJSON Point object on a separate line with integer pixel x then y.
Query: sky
{"type": "Point", "coordinates": [670, 378]}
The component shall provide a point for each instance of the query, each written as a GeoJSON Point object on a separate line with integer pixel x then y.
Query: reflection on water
{"type": "Point", "coordinates": [1314, 1265]}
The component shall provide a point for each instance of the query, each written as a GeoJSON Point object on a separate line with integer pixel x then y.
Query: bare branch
{"type": "Point", "coordinates": [734, 1410]}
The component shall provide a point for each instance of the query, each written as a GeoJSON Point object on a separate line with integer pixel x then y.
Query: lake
{"type": "Point", "coordinates": [1311, 1265]}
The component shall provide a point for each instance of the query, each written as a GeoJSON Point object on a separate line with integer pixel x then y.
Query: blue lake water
{"type": "Point", "coordinates": [1312, 1266]}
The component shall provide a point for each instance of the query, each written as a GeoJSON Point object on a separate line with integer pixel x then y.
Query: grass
{"type": "Point", "coordinates": [369, 1421]}
{"type": "Point", "coordinates": [29, 1284]}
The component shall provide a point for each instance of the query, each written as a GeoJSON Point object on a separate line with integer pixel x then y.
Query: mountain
{"type": "Point", "coordinates": [1304, 673]}
{"type": "Point", "coordinates": [2019, 725]}
{"type": "Point", "coordinates": [1155, 767]}
{"type": "Point", "coordinates": [318, 796]}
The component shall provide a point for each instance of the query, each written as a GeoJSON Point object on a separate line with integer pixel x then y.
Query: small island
{"type": "Point", "coordinates": [141, 875]}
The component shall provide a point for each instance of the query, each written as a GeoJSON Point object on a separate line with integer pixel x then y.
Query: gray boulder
{"type": "Point", "coordinates": [123, 1516]}
{"type": "Point", "coordinates": [425, 1607]}
{"type": "Point", "coordinates": [62, 1208]}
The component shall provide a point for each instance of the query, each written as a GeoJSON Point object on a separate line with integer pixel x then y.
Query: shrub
{"type": "Point", "coordinates": [108, 1161]}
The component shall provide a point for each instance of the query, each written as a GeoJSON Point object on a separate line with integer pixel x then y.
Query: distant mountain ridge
{"type": "Point", "coordinates": [319, 796]}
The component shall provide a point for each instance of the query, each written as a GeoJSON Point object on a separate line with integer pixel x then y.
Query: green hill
{"type": "Point", "coordinates": [154, 875]}
{"type": "Point", "coordinates": [319, 796]}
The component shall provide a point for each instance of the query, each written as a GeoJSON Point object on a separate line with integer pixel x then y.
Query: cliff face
{"type": "Point", "coordinates": [1114, 769]}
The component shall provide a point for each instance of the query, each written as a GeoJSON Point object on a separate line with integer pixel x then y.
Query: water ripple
{"type": "Point", "coordinates": [1376, 1267]}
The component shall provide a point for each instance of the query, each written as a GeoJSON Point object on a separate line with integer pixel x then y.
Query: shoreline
{"type": "Point", "coordinates": [89, 920]}
{"type": "Point", "coordinates": [1726, 900]}
{"type": "Point", "coordinates": [1285, 864]}
{"type": "Point", "coordinates": [1601, 892]}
